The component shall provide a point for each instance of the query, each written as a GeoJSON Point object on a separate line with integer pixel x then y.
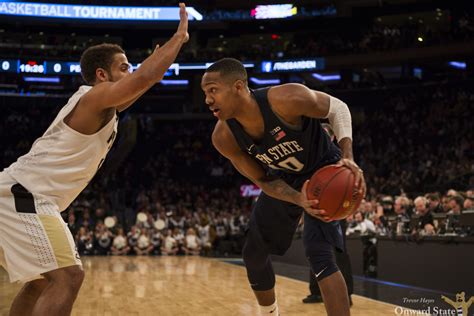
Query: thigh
{"type": "Point", "coordinates": [33, 237]}
{"type": "Point", "coordinates": [316, 230]}
{"type": "Point", "coordinates": [275, 222]}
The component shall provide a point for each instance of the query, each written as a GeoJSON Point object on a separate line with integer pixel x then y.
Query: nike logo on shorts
{"type": "Point", "coordinates": [318, 274]}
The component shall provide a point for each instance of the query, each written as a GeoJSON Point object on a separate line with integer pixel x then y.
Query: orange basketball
{"type": "Point", "coordinates": [335, 189]}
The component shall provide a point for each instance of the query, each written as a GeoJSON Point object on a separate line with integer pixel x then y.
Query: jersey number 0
{"type": "Point", "coordinates": [290, 163]}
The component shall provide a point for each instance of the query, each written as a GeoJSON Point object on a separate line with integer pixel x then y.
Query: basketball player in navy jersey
{"type": "Point", "coordinates": [273, 136]}
{"type": "Point", "coordinates": [36, 246]}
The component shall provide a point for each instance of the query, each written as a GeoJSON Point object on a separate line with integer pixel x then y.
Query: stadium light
{"type": "Point", "coordinates": [321, 77]}
{"type": "Point", "coordinates": [42, 79]}
{"type": "Point", "coordinates": [458, 64]}
{"type": "Point", "coordinates": [264, 81]}
{"type": "Point", "coordinates": [178, 82]}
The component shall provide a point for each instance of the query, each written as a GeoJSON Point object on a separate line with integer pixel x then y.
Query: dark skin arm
{"type": "Point", "coordinates": [224, 141]}
{"type": "Point", "coordinates": [292, 101]}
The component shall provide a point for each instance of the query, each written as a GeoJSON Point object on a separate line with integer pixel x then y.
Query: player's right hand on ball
{"type": "Point", "coordinates": [311, 206]}
{"type": "Point", "coordinates": [183, 23]}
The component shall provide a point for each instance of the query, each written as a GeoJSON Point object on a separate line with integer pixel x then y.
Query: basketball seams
{"type": "Point", "coordinates": [328, 177]}
{"type": "Point", "coordinates": [328, 182]}
{"type": "Point", "coordinates": [348, 183]}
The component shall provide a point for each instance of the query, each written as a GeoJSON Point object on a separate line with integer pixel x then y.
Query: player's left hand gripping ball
{"type": "Point", "coordinates": [358, 172]}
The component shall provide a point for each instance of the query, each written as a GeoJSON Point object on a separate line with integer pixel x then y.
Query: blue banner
{"type": "Point", "coordinates": [293, 65]}
{"type": "Point", "coordinates": [52, 67]}
{"type": "Point", "coordinates": [72, 11]}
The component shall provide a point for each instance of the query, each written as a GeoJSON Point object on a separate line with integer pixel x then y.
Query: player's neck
{"type": "Point", "coordinates": [249, 115]}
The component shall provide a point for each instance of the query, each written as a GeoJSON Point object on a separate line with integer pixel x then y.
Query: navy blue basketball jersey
{"type": "Point", "coordinates": [284, 148]}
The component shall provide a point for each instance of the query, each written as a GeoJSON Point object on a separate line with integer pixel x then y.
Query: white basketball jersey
{"type": "Point", "coordinates": [62, 162]}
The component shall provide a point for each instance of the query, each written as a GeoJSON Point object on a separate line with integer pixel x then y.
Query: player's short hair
{"type": "Point", "coordinates": [98, 56]}
{"type": "Point", "coordinates": [229, 68]}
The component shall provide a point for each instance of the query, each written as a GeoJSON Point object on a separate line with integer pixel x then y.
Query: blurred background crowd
{"type": "Point", "coordinates": [404, 69]}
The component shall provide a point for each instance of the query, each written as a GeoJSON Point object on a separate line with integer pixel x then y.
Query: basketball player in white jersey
{"type": "Point", "coordinates": [36, 247]}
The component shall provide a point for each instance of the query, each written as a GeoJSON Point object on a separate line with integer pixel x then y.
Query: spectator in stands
{"type": "Point", "coordinates": [207, 235]}
{"type": "Point", "coordinates": [144, 247]}
{"type": "Point", "coordinates": [368, 209]}
{"type": "Point", "coordinates": [456, 204]}
{"type": "Point", "coordinates": [445, 203]}
{"type": "Point", "coordinates": [169, 244]}
{"type": "Point", "coordinates": [132, 237]}
{"type": "Point", "coordinates": [469, 203]}
{"type": "Point", "coordinates": [84, 241]}
{"type": "Point", "coordinates": [156, 240]}
{"type": "Point", "coordinates": [86, 220]}
{"type": "Point", "coordinates": [103, 239]}
{"type": "Point", "coordinates": [363, 225]}
{"type": "Point", "coordinates": [401, 206]}
{"type": "Point", "coordinates": [71, 222]}
{"type": "Point", "coordinates": [119, 245]}
{"type": "Point", "coordinates": [192, 244]}
{"type": "Point", "coordinates": [403, 219]}
{"type": "Point", "coordinates": [470, 193]}
{"type": "Point", "coordinates": [425, 216]}
{"type": "Point", "coordinates": [380, 227]}
{"type": "Point", "coordinates": [434, 203]}
{"type": "Point", "coordinates": [179, 237]}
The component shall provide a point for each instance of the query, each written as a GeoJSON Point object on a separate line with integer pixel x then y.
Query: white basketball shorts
{"type": "Point", "coordinates": [34, 239]}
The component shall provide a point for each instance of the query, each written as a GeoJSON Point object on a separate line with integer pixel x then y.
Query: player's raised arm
{"type": "Point", "coordinates": [225, 143]}
{"type": "Point", "coordinates": [123, 92]}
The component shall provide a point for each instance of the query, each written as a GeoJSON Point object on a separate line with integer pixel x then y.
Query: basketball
{"type": "Point", "coordinates": [335, 189]}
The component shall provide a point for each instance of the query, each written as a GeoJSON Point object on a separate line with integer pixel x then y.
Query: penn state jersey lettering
{"type": "Point", "coordinates": [62, 162]}
{"type": "Point", "coordinates": [282, 147]}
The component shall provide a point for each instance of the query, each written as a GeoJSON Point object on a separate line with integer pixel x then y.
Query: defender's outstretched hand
{"type": "Point", "coordinates": [183, 23]}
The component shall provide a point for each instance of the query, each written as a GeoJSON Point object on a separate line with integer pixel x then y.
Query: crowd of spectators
{"type": "Point", "coordinates": [430, 214]}
{"type": "Point", "coordinates": [257, 44]}
{"type": "Point", "coordinates": [413, 146]}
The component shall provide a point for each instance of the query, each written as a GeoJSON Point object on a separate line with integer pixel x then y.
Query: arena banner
{"type": "Point", "coordinates": [274, 11]}
{"type": "Point", "coordinates": [74, 68]}
{"type": "Point", "coordinates": [93, 12]}
{"type": "Point", "coordinates": [293, 65]}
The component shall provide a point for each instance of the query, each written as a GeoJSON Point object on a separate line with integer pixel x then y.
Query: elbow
{"type": "Point", "coordinates": [340, 118]}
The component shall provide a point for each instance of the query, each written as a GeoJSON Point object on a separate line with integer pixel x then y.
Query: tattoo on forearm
{"type": "Point", "coordinates": [280, 189]}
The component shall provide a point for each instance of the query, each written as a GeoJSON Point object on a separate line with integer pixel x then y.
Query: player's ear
{"type": "Point", "coordinates": [239, 85]}
{"type": "Point", "coordinates": [101, 75]}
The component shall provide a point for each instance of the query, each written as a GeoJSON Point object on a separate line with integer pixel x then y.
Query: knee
{"type": "Point", "coordinates": [75, 275]}
{"type": "Point", "coordinates": [72, 276]}
{"type": "Point", "coordinates": [34, 288]}
{"type": "Point", "coordinates": [254, 258]}
{"type": "Point", "coordinates": [322, 260]}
